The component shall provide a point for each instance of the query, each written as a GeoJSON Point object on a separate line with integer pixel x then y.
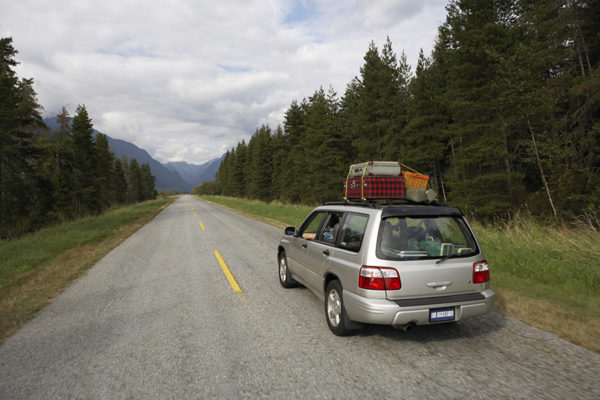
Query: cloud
{"type": "Point", "coordinates": [186, 80]}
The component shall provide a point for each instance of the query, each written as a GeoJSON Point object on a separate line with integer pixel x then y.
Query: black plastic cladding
{"type": "Point", "coordinates": [420, 211]}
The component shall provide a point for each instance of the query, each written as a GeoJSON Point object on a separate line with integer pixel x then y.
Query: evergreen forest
{"type": "Point", "coordinates": [504, 116]}
{"type": "Point", "coordinates": [50, 177]}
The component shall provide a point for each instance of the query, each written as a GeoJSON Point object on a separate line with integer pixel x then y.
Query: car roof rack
{"type": "Point", "coordinates": [365, 203]}
{"type": "Point", "coordinates": [383, 203]}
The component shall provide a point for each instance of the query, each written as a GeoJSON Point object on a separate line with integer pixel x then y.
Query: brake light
{"type": "Point", "coordinates": [481, 272]}
{"type": "Point", "coordinates": [379, 278]}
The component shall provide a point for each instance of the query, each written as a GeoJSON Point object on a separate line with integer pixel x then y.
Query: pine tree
{"type": "Point", "coordinates": [396, 101]}
{"type": "Point", "coordinates": [41, 212]}
{"type": "Point", "coordinates": [104, 183]}
{"type": "Point", "coordinates": [279, 148]}
{"type": "Point", "coordinates": [147, 183]}
{"type": "Point", "coordinates": [62, 176]}
{"type": "Point", "coordinates": [240, 171]}
{"type": "Point", "coordinates": [370, 120]}
{"type": "Point", "coordinates": [349, 123]}
{"type": "Point", "coordinates": [134, 183]}
{"type": "Point", "coordinates": [260, 165]}
{"type": "Point", "coordinates": [20, 116]}
{"type": "Point", "coordinates": [324, 154]}
{"type": "Point", "coordinates": [382, 96]}
{"type": "Point", "coordinates": [545, 105]}
{"type": "Point", "coordinates": [479, 147]}
{"type": "Point", "coordinates": [85, 198]}
{"type": "Point", "coordinates": [425, 143]}
{"type": "Point", "coordinates": [120, 182]}
{"type": "Point", "coordinates": [583, 22]}
{"type": "Point", "coordinates": [224, 176]}
{"type": "Point", "coordinates": [294, 127]}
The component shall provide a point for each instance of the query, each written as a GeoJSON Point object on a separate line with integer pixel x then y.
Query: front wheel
{"type": "Point", "coordinates": [335, 313]}
{"type": "Point", "coordinates": [285, 277]}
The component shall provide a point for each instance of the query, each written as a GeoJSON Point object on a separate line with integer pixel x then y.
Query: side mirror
{"type": "Point", "coordinates": [290, 231]}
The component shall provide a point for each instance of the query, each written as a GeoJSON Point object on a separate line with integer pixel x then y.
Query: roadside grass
{"type": "Point", "coordinates": [548, 277]}
{"type": "Point", "coordinates": [274, 213]}
{"type": "Point", "coordinates": [36, 268]}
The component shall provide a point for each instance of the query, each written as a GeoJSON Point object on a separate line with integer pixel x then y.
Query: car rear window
{"type": "Point", "coordinates": [410, 238]}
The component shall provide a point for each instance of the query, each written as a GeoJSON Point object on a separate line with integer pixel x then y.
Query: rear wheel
{"type": "Point", "coordinates": [285, 277]}
{"type": "Point", "coordinates": [335, 313]}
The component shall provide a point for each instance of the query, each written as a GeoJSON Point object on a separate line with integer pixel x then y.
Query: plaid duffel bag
{"type": "Point", "coordinates": [374, 187]}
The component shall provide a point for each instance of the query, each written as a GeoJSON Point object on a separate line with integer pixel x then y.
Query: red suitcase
{"type": "Point", "coordinates": [374, 187]}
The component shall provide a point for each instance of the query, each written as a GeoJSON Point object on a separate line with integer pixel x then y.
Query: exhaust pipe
{"type": "Point", "coordinates": [406, 327]}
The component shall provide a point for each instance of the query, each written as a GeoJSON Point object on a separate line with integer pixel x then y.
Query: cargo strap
{"type": "Point", "coordinates": [346, 185]}
{"type": "Point", "coordinates": [415, 171]}
{"type": "Point", "coordinates": [362, 185]}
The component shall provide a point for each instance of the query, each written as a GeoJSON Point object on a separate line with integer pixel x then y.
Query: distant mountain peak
{"type": "Point", "coordinates": [166, 178]}
{"type": "Point", "coordinates": [195, 174]}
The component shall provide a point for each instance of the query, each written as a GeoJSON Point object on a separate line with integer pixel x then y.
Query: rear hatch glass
{"type": "Point", "coordinates": [420, 238]}
{"type": "Point", "coordinates": [431, 254]}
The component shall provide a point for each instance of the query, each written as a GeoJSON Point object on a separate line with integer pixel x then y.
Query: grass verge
{"type": "Point", "coordinates": [38, 267]}
{"type": "Point", "coordinates": [274, 213]}
{"type": "Point", "coordinates": [548, 277]}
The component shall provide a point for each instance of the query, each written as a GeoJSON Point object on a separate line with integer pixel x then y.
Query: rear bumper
{"type": "Point", "coordinates": [387, 312]}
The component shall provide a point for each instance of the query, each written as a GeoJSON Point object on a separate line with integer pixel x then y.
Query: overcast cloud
{"type": "Point", "coordinates": [187, 80]}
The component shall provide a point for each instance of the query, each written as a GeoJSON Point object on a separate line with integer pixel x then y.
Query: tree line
{"type": "Point", "coordinates": [503, 115]}
{"type": "Point", "coordinates": [48, 177]}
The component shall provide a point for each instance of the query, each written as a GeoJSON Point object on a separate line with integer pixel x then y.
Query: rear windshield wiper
{"type": "Point", "coordinates": [441, 260]}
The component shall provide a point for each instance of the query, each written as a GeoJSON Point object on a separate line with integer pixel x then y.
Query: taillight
{"type": "Point", "coordinates": [481, 272]}
{"type": "Point", "coordinates": [379, 278]}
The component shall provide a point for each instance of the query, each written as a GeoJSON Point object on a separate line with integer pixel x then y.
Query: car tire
{"type": "Point", "coordinates": [285, 277]}
{"type": "Point", "coordinates": [335, 312]}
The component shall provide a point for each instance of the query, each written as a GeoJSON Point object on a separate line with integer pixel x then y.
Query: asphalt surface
{"type": "Point", "coordinates": [158, 319]}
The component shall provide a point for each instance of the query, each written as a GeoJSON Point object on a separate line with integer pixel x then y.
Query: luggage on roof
{"type": "Point", "coordinates": [379, 168]}
{"type": "Point", "coordinates": [380, 180]}
{"type": "Point", "coordinates": [374, 187]}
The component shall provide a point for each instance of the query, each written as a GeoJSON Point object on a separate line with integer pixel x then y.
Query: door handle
{"type": "Point", "coordinates": [326, 252]}
{"type": "Point", "coordinates": [304, 245]}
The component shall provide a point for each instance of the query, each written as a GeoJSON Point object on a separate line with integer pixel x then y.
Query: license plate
{"type": "Point", "coordinates": [441, 314]}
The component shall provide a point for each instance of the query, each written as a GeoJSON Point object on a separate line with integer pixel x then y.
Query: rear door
{"type": "Point", "coordinates": [428, 279]}
{"type": "Point", "coordinates": [433, 255]}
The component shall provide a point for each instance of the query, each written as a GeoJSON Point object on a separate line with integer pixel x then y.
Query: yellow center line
{"type": "Point", "coordinates": [195, 215]}
{"type": "Point", "coordinates": [237, 290]}
{"type": "Point", "coordinates": [228, 274]}
{"type": "Point", "coordinates": [201, 226]}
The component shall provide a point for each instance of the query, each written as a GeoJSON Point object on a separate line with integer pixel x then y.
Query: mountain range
{"type": "Point", "coordinates": [176, 177]}
{"type": "Point", "coordinates": [196, 174]}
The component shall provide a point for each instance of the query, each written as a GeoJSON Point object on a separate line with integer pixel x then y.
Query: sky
{"type": "Point", "coordinates": [187, 80]}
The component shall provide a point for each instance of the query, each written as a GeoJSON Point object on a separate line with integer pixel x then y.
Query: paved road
{"type": "Point", "coordinates": [158, 319]}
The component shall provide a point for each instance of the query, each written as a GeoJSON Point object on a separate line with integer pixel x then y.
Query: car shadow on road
{"type": "Point", "coordinates": [474, 327]}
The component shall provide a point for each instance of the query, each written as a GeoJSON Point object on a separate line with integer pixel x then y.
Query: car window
{"type": "Point", "coordinates": [330, 228]}
{"type": "Point", "coordinates": [310, 227]}
{"type": "Point", "coordinates": [424, 237]}
{"type": "Point", "coordinates": [353, 231]}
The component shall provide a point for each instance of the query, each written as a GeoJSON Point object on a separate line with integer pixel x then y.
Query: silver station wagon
{"type": "Point", "coordinates": [399, 265]}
